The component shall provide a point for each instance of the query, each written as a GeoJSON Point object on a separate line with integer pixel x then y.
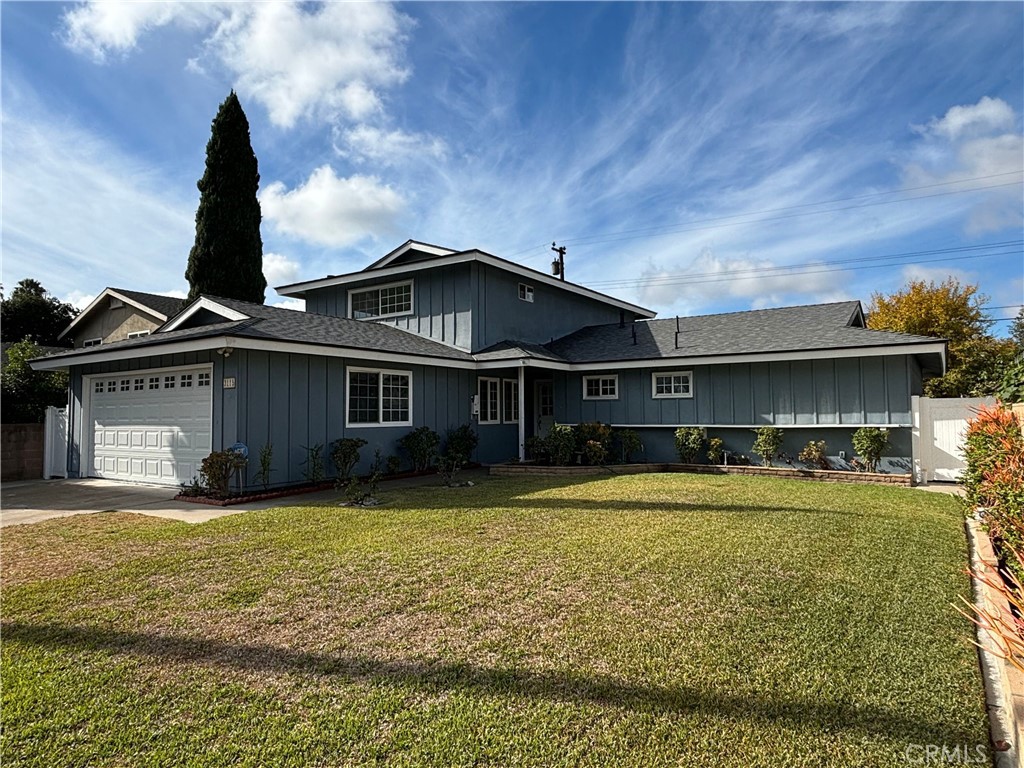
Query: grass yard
{"type": "Point", "coordinates": [629, 621]}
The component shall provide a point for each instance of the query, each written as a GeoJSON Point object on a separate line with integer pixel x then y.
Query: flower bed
{"type": "Point", "coordinates": [820, 475]}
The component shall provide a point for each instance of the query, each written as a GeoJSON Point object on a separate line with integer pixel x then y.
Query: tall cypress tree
{"type": "Point", "coordinates": [227, 258]}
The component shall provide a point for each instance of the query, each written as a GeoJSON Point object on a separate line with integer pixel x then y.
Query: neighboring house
{"type": "Point", "coordinates": [435, 337]}
{"type": "Point", "coordinates": [117, 314]}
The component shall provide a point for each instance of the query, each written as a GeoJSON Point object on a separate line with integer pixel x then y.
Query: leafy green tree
{"type": "Point", "coordinates": [1017, 329]}
{"type": "Point", "coordinates": [954, 312]}
{"type": "Point", "coordinates": [32, 313]}
{"type": "Point", "coordinates": [227, 258]}
{"type": "Point", "coordinates": [25, 393]}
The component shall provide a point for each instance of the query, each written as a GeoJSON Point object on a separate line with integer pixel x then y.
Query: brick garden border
{"type": "Point", "coordinates": [819, 475]}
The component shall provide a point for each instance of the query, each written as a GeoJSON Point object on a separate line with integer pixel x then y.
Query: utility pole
{"type": "Point", "coordinates": [558, 265]}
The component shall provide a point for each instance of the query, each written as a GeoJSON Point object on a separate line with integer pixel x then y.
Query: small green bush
{"type": "Point", "coordinates": [716, 450]}
{"type": "Point", "coordinates": [421, 444]}
{"type": "Point", "coordinates": [314, 463]}
{"type": "Point", "coordinates": [594, 453]}
{"type": "Point", "coordinates": [561, 444]}
{"type": "Point", "coordinates": [345, 456]}
{"type": "Point", "coordinates": [266, 459]}
{"type": "Point", "coordinates": [459, 446]}
{"type": "Point", "coordinates": [216, 470]}
{"type": "Point", "coordinates": [767, 444]}
{"type": "Point", "coordinates": [629, 443]}
{"type": "Point", "coordinates": [814, 454]}
{"type": "Point", "coordinates": [689, 442]}
{"type": "Point", "coordinates": [536, 448]}
{"type": "Point", "coordinates": [870, 443]}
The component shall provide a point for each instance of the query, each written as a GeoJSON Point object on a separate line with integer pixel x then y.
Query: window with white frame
{"type": "Point", "coordinates": [526, 292]}
{"type": "Point", "coordinates": [601, 387]}
{"type": "Point", "coordinates": [381, 301]}
{"type": "Point", "coordinates": [510, 401]}
{"type": "Point", "coordinates": [379, 397]}
{"type": "Point", "coordinates": [92, 342]}
{"type": "Point", "coordinates": [138, 334]}
{"type": "Point", "coordinates": [490, 400]}
{"type": "Point", "coordinates": [671, 384]}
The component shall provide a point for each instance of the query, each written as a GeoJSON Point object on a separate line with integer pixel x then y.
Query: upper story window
{"type": "Point", "coordinates": [672, 384]}
{"type": "Point", "coordinates": [381, 301]}
{"type": "Point", "coordinates": [601, 387]}
{"type": "Point", "coordinates": [526, 292]}
{"type": "Point", "coordinates": [138, 334]}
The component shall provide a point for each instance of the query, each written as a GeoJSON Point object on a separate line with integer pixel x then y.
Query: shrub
{"type": "Point", "coordinates": [870, 443]}
{"type": "Point", "coordinates": [536, 447]}
{"type": "Point", "coordinates": [813, 454]}
{"type": "Point", "coordinates": [345, 456]}
{"type": "Point", "coordinates": [561, 444]}
{"type": "Point", "coordinates": [421, 445]}
{"type": "Point", "coordinates": [266, 459]}
{"type": "Point", "coordinates": [595, 431]}
{"type": "Point", "coordinates": [689, 442]}
{"type": "Point", "coordinates": [394, 464]}
{"type": "Point", "coordinates": [216, 470]}
{"type": "Point", "coordinates": [994, 477]}
{"type": "Point", "coordinates": [459, 446]}
{"type": "Point", "coordinates": [314, 463]}
{"type": "Point", "coordinates": [716, 450]}
{"type": "Point", "coordinates": [629, 443]}
{"type": "Point", "coordinates": [595, 453]}
{"type": "Point", "coordinates": [767, 444]}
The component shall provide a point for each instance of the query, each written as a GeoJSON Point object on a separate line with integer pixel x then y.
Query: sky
{"type": "Point", "coordinates": [692, 157]}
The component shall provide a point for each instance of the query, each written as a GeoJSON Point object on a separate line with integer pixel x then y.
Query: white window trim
{"type": "Point", "coordinates": [614, 377]}
{"type": "Point", "coordinates": [479, 391]}
{"type": "Point", "coordinates": [382, 286]}
{"type": "Point", "coordinates": [515, 400]}
{"type": "Point", "coordinates": [89, 343]}
{"type": "Point", "coordinates": [380, 398]}
{"type": "Point", "coordinates": [138, 334]}
{"type": "Point", "coordinates": [670, 396]}
{"type": "Point", "coordinates": [526, 292]}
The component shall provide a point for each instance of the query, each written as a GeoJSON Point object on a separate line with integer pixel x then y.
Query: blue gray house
{"type": "Point", "coordinates": [431, 336]}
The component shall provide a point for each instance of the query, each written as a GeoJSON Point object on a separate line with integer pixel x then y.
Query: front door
{"type": "Point", "coordinates": [544, 406]}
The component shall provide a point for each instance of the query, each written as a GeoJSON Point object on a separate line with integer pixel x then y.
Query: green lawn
{"type": "Point", "coordinates": [629, 621]}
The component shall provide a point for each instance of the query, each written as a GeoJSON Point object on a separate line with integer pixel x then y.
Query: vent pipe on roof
{"type": "Point", "coordinates": [677, 331]}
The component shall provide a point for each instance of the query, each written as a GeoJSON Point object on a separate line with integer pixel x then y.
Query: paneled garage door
{"type": "Point", "coordinates": [151, 426]}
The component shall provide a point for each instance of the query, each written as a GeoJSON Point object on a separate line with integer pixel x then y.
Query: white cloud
{"type": "Point", "coordinates": [919, 272]}
{"type": "Point", "coordinates": [279, 270]}
{"type": "Point", "coordinates": [99, 28]}
{"type": "Point", "coordinates": [987, 116]}
{"type": "Point", "coordinates": [79, 299]}
{"type": "Point", "coordinates": [331, 210]}
{"type": "Point", "coordinates": [296, 60]}
{"type": "Point", "coordinates": [299, 305]}
{"type": "Point", "coordinates": [391, 147]}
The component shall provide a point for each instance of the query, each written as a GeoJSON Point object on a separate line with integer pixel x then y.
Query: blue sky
{"type": "Point", "coordinates": [693, 158]}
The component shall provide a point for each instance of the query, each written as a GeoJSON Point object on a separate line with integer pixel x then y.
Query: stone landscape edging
{"type": "Point", "coordinates": [1004, 685]}
{"type": "Point", "coordinates": [819, 475]}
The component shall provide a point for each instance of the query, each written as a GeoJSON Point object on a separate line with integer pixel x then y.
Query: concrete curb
{"type": "Point", "coordinates": [1004, 722]}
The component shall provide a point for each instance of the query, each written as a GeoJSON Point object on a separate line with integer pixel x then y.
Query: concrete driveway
{"type": "Point", "coordinates": [31, 501]}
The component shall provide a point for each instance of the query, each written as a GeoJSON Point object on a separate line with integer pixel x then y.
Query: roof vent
{"type": "Point", "coordinates": [116, 303]}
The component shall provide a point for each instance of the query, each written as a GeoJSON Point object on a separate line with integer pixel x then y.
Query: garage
{"type": "Point", "coordinates": [150, 426]}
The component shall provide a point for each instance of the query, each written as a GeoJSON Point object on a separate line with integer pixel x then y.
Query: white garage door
{"type": "Point", "coordinates": [151, 426]}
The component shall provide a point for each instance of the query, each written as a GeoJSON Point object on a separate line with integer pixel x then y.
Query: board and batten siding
{"type": "Point", "coordinates": [295, 401]}
{"type": "Point", "coordinates": [472, 306]}
{"type": "Point", "coordinates": [441, 302]}
{"type": "Point", "coordinates": [853, 391]}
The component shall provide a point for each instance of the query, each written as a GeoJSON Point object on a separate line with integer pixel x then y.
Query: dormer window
{"type": "Point", "coordinates": [389, 300]}
{"type": "Point", "coordinates": [526, 292]}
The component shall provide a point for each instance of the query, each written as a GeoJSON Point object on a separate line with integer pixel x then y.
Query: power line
{"type": "Point", "coordinates": [752, 270]}
{"type": "Point", "coordinates": [810, 270]}
{"type": "Point", "coordinates": [687, 226]}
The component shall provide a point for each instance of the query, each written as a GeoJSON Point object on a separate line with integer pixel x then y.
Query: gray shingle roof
{"type": "Point", "coordinates": [516, 350]}
{"type": "Point", "coordinates": [165, 305]}
{"type": "Point", "coordinates": [814, 327]}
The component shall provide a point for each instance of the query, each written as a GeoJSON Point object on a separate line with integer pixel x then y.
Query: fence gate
{"type": "Point", "coordinates": [938, 434]}
{"type": "Point", "coordinates": [55, 443]}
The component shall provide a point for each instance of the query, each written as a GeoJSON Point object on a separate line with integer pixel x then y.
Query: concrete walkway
{"type": "Point", "coordinates": [31, 501]}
